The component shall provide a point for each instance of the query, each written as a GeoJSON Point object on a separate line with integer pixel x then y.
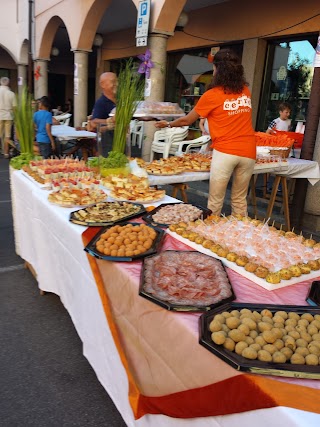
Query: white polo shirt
{"type": "Point", "coordinates": [7, 102]}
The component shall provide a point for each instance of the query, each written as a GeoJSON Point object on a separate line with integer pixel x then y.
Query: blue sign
{"type": "Point", "coordinates": [143, 8]}
{"type": "Point", "coordinates": [140, 22]}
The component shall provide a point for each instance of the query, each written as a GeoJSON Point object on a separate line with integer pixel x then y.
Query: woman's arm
{"type": "Point", "coordinates": [48, 129]}
{"type": "Point", "coordinates": [181, 121]}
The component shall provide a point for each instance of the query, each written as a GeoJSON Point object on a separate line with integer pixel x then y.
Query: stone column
{"type": "Point", "coordinates": [80, 87]}
{"type": "Point", "coordinates": [311, 218]}
{"type": "Point", "coordinates": [253, 58]}
{"type": "Point", "coordinates": [22, 77]}
{"type": "Point", "coordinates": [40, 78]}
{"type": "Point", "coordinates": [157, 44]}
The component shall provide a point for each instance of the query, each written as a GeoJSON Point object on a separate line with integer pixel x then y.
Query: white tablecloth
{"type": "Point", "coordinates": [68, 132]}
{"type": "Point", "coordinates": [293, 168]}
{"type": "Point", "coordinates": [54, 247]}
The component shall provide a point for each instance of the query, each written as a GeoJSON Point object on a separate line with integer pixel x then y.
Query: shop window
{"type": "Point", "coordinates": [288, 78]}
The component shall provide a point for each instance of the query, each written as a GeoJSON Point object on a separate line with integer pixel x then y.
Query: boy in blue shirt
{"type": "Point", "coordinates": [43, 121]}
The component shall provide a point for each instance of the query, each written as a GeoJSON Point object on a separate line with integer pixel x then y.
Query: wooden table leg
{"type": "Point", "coordinates": [273, 196]}
{"type": "Point", "coordinates": [253, 194]}
{"type": "Point", "coordinates": [285, 200]}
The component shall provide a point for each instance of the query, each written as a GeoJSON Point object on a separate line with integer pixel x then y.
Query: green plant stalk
{"type": "Point", "coordinates": [23, 120]}
{"type": "Point", "coordinates": [130, 92]}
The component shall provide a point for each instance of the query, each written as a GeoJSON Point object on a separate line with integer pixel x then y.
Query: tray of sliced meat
{"type": "Point", "coordinates": [172, 213]}
{"type": "Point", "coordinates": [185, 281]}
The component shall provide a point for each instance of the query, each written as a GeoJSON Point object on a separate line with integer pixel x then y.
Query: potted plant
{"type": "Point", "coordinates": [130, 92]}
{"type": "Point", "coordinates": [23, 122]}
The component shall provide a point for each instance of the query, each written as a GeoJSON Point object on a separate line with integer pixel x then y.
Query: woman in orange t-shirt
{"type": "Point", "coordinates": [227, 106]}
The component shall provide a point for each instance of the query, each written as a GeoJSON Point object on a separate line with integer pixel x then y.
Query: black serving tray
{"type": "Point", "coordinates": [313, 297]}
{"type": "Point", "coordinates": [176, 307]}
{"type": "Point", "coordinates": [148, 216]}
{"type": "Point", "coordinates": [74, 220]}
{"type": "Point", "coordinates": [256, 366]}
{"type": "Point", "coordinates": [91, 246]}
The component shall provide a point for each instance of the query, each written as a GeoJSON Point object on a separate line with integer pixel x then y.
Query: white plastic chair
{"type": "Point", "coordinates": [201, 143]}
{"type": "Point", "coordinates": [64, 119]}
{"type": "Point", "coordinates": [137, 133]}
{"type": "Point", "coordinates": [164, 138]}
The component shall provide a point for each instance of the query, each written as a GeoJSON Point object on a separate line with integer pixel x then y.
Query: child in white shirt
{"type": "Point", "coordinates": [282, 123]}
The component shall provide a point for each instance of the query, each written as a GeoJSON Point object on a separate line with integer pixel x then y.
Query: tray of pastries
{"type": "Point", "coordinates": [185, 281]}
{"type": "Point", "coordinates": [73, 197]}
{"type": "Point", "coordinates": [143, 195]}
{"type": "Point", "coordinates": [106, 213]}
{"type": "Point", "coordinates": [164, 168]}
{"type": "Point", "coordinates": [125, 242]}
{"type": "Point", "coordinates": [171, 213]}
{"type": "Point", "coordinates": [265, 339]}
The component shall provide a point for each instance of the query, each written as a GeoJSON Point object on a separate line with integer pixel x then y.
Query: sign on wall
{"type": "Point", "coordinates": [143, 18]}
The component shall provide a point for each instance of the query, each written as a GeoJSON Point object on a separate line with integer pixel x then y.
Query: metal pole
{"type": "Point", "coordinates": [30, 36]}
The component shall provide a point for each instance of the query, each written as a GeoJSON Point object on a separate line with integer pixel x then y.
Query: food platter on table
{"type": "Point", "coordinates": [253, 249]}
{"type": "Point", "coordinates": [185, 281]}
{"type": "Point", "coordinates": [175, 212]}
{"type": "Point", "coordinates": [146, 195]}
{"type": "Point", "coordinates": [129, 242]}
{"type": "Point", "coordinates": [106, 213]}
{"type": "Point", "coordinates": [69, 198]}
{"type": "Point", "coordinates": [237, 351]}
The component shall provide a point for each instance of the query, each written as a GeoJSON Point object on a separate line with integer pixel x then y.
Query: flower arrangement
{"type": "Point", "coordinates": [146, 63]}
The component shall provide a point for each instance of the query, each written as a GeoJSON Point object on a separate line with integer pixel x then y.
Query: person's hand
{"type": "Point", "coordinates": [161, 124]}
{"type": "Point", "coordinates": [204, 132]}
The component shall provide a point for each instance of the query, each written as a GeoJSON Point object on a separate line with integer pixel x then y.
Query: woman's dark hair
{"type": "Point", "coordinates": [229, 72]}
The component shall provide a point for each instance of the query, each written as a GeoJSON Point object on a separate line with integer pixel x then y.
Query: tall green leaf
{"type": "Point", "coordinates": [23, 120]}
{"type": "Point", "coordinates": [130, 92]}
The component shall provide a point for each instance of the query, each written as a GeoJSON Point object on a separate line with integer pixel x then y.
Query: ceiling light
{"type": "Point", "coordinates": [55, 51]}
{"type": "Point", "coordinates": [182, 21]}
{"type": "Point", "coordinates": [98, 40]}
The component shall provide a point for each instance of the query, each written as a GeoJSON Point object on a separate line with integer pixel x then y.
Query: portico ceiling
{"type": "Point", "coordinates": [122, 14]}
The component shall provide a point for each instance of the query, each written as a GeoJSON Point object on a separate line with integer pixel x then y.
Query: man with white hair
{"type": "Point", "coordinates": [7, 105]}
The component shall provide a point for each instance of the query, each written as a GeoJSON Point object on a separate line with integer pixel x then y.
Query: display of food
{"type": "Point", "coordinates": [106, 212]}
{"type": "Point", "coordinates": [271, 254]}
{"type": "Point", "coordinates": [153, 108]}
{"type": "Point", "coordinates": [127, 240]}
{"type": "Point", "coordinates": [80, 183]}
{"type": "Point", "coordinates": [144, 195]}
{"type": "Point", "coordinates": [164, 168]}
{"type": "Point", "coordinates": [185, 279]}
{"type": "Point", "coordinates": [176, 212]}
{"type": "Point", "coordinates": [33, 174]}
{"type": "Point", "coordinates": [193, 162]}
{"type": "Point", "coordinates": [76, 197]}
{"type": "Point", "coordinates": [125, 181]}
{"type": "Point", "coordinates": [261, 338]}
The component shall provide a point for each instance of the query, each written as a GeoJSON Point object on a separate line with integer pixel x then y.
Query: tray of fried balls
{"type": "Point", "coordinates": [265, 339]}
{"type": "Point", "coordinates": [126, 241]}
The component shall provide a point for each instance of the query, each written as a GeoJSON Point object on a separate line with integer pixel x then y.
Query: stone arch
{"type": "Point", "coordinates": [24, 52]}
{"type": "Point", "coordinates": [91, 23]}
{"type": "Point", "coordinates": [48, 37]}
{"type": "Point", "coordinates": [12, 56]}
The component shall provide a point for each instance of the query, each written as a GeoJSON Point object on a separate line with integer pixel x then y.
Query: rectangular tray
{"type": "Point", "coordinates": [106, 223]}
{"type": "Point", "coordinates": [313, 297]}
{"type": "Point", "coordinates": [91, 247]}
{"type": "Point", "coordinates": [148, 216]}
{"type": "Point", "coordinates": [176, 307]}
{"type": "Point", "coordinates": [255, 366]}
{"type": "Point", "coordinates": [261, 282]}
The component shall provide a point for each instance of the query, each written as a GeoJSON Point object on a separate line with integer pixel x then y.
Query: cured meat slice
{"type": "Point", "coordinates": [186, 278]}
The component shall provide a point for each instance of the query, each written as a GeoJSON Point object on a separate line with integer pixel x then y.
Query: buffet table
{"type": "Point", "coordinates": [293, 168]}
{"type": "Point", "coordinates": [149, 359]}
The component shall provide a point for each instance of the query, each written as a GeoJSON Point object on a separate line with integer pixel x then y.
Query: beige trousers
{"type": "Point", "coordinates": [223, 166]}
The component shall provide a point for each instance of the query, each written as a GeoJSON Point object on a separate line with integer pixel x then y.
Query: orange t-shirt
{"type": "Point", "coordinates": [230, 121]}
